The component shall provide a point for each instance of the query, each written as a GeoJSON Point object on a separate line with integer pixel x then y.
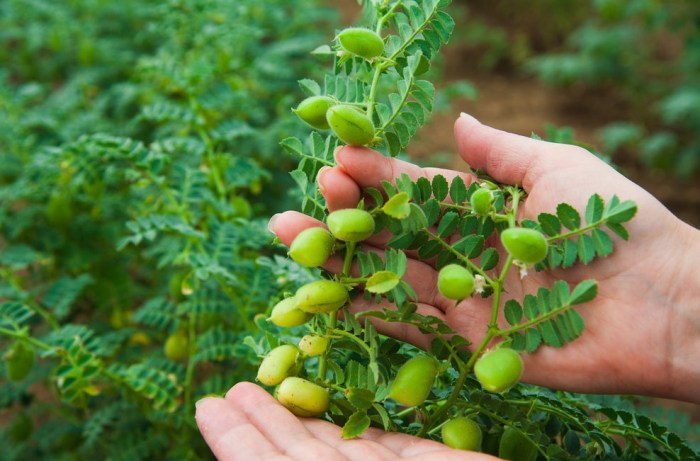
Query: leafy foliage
{"type": "Point", "coordinates": [136, 143]}
{"type": "Point", "coordinates": [618, 46]}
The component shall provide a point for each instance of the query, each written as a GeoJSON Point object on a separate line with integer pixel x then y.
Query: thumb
{"type": "Point", "coordinates": [510, 158]}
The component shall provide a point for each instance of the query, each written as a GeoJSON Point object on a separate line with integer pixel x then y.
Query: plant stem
{"type": "Point", "coordinates": [351, 337]}
{"type": "Point", "coordinates": [189, 374]}
{"type": "Point", "coordinates": [31, 304]}
{"type": "Point", "coordinates": [333, 316]}
{"type": "Point", "coordinates": [576, 232]}
{"type": "Point", "coordinates": [23, 336]}
{"type": "Point", "coordinates": [498, 289]}
{"type": "Point", "coordinates": [462, 257]}
{"type": "Point", "coordinates": [491, 333]}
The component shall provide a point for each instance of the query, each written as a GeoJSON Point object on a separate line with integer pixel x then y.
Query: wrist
{"type": "Point", "coordinates": [683, 345]}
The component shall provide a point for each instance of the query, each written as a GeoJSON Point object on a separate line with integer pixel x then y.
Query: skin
{"type": "Point", "coordinates": [642, 331]}
{"type": "Point", "coordinates": [249, 424]}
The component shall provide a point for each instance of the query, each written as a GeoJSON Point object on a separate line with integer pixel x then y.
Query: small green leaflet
{"type": "Point", "coordinates": [362, 399]}
{"type": "Point", "coordinates": [585, 243]}
{"type": "Point", "coordinates": [397, 206]}
{"type": "Point", "coordinates": [356, 424]}
{"type": "Point", "coordinates": [584, 292]}
{"type": "Point", "coordinates": [549, 316]}
{"type": "Point", "coordinates": [382, 282]}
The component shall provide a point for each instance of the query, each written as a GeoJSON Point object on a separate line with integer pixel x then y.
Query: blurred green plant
{"type": "Point", "coordinates": [648, 52]}
{"type": "Point", "coordinates": [505, 34]}
{"type": "Point", "coordinates": [135, 144]}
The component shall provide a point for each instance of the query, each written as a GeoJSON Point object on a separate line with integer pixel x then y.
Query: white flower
{"type": "Point", "coordinates": [479, 283]}
{"type": "Point", "coordinates": [523, 268]}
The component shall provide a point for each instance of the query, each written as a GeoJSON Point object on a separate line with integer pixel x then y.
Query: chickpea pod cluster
{"type": "Point", "coordinates": [496, 370]}
{"type": "Point", "coordinates": [348, 121]}
{"type": "Point", "coordinates": [311, 248]}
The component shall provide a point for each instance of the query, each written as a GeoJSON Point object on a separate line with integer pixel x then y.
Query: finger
{"type": "Point", "coordinates": [229, 434]}
{"type": "Point", "coordinates": [283, 430]}
{"type": "Point", "coordinates": [409, 447]}
{"type": "Point", "coordinates": [508, 157]}
{"type": "Point", "coordinates": [399, 330]}
{"type": "Point", "coordinates": [352, 449]}
{"type": "Point", "coordinates": [339, 189]}
{"type": "Point", "coordinates": [368, 168]}
{"type": "Point", "coordinates": [419, 274]}
{"type": "Point", "coordinates": [286, 226]}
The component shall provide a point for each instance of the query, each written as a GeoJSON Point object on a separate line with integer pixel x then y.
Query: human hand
{"type": "Point", "coordinates": [643, 329]}
{"type": "Point", "coordinates": [249, 424]}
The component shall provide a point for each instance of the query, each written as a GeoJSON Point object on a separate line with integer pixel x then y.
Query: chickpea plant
{"type": "Point", "coordinates": [344, 370]}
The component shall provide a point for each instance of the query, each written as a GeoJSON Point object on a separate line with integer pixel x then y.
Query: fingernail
{"type": "Point", "coordinates": [206, 397]}
{"type": "Point", "coordinates": [271, 222]}
{"type": "Point", "coordinates": [468, 117]}
{"type": "Point", "coordinates": [335, 154]}
{"type": "Point", "coordinates": [319, 181]}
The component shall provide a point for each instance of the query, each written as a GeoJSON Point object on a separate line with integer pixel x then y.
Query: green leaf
{"type": "Point", "coordinates": [570, 253]}
{"type": "Point", "coordinates": [63, 294]}
{"type": "Point", "coordinates": [513, 312]}
{"type": "Point", "coordinates": [405, 184]}
{"type": "Point", "coordinates": [559, 294]}
{"type": "Point", "coordinates": [571, 324]}
{"type": "Point", "coordinates": [362, 399]}
{"type": "Point", "coordinates": [584, 292]}
{"type": "Point", "coordinates": [533, 339]}
{"type": "Point", "coordinates": [382, 282]}
{"type": "Point", "coordinates": [397, 206]}
{"type": "Point", "coordinates": [550, 335]}
{"type": "Point", "coordinates": [384, 416]}
{"type": "Point", "coordinates": [18, 256]}
{"type": "Point", "coordinates": [356, 425]}
{"type": "Point", "coordinates": [602, 242]}
{"type": "Point", "coordinates": [448, 224]}
{"type": "Point", "coordinates": [619, 229]}
{"type": "Point", "coordinates": [621, 212]}
{"type": "Point", "coordinates": [550, 224]}
{"type": "Point", "coordinates": [586, 249]}
{"type": "Point", "coordinates": [432, 211]}
{"type": "Point", "coordinates": [470, 246]}
{"type": "Point", "coordinates": [14, 315]}
{"type": "Point", "coordinates": [416, 219]}
{"type": "Point", "coordinates": [568, 216]}
{"type": "Point", "coordinates": [401, 241]}
{"type": "Point", "coordinates": [429, 249]}
{"type": "Point", "coordinates": [458, 190]}
{"type": "Point", "coordinates": [594, 209]}
{"type": "Point", "coordinates": [489, 259]}
{"type": "Point", "coordinates": [530, 307]}
{"type": "Point", "coordinates": [310, 87]}
{"type": "Point", "coordinates": [389, 188]}
{"type": "Point", "coordinates": [393, 143]}
{"type": "Point", "coordinates": [440, 188]}
{"type": "Point", "coordinates": [425, 189]}
{"type": "Point", "coordinates": [375, 195]}
{"type": "Point", "coordinates": [396, 261]}
{"type": "Point", "coordinates": [554, 256]}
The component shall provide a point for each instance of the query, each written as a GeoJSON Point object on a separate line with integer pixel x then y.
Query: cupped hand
{"type": "Point", "coordinates": [249, 424]}
{"type": "Point", "coordinates": [642, 330]}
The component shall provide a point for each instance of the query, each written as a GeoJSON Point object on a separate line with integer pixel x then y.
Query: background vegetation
{"type": "Point", "coordinates": [139, 162]}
